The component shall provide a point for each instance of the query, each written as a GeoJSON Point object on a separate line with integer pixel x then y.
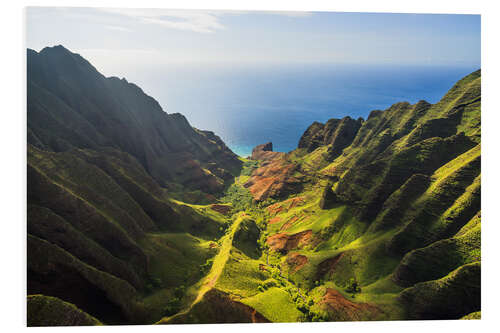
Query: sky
{"type": "Point", "coordinates": [117, 40]}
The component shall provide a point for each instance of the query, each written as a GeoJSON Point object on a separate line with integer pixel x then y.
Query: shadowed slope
{"type": "Point", "coordinates": [71, 105]}
{"type": "Point", "coordinates": [51, 311]}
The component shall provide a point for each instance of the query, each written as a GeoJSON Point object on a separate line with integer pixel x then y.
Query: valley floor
{"type": "Point", "coordinates": [252, 272]}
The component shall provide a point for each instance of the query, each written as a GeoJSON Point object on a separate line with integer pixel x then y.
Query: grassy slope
{"type": "Point", "coordinates": [409, 190]}
{"type": "Point", "coordinates": [339, 231]}
{"type": "Point", "coordinates": [231, 273]}
{"type": "Point", "coordinates": [104, 209]}
{"type": "Point", "coordinates": [276, 305]}
{"type": "Point", "coordinates": [51, 311]}
{"type": "Point", "coordinates": [447, 201]}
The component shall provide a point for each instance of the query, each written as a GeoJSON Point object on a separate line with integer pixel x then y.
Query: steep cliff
{"type": "Point", "coordinates": [105, 164]}
{"type": "Point", "coordinates": [71, 105]}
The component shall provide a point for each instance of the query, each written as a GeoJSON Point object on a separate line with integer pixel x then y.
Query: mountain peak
{"type": "Point", "coordinates": [56, 48]}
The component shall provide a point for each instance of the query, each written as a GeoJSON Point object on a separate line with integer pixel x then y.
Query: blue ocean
{"type": "Point", "coordinates": [247, 105]}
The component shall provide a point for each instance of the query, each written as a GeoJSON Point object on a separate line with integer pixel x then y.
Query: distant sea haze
{"type": "Point", "coordinates": [250, 105]}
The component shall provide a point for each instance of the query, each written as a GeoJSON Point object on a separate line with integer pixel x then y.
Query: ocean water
{"type": "Point", "coordinates": [250, 105]}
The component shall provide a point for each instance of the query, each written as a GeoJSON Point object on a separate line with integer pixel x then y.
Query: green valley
{"type": "Point", "coordinates": [136, 217]}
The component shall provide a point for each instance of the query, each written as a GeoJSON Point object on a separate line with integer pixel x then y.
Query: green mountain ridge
{"type": "Point", "coordinates": [71, 105]}
{"type": "Point", "coordinates": [135, 217]}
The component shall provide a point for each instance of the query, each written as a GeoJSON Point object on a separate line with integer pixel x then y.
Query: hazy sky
{"type": "Point", "coordinates": [115, 39]}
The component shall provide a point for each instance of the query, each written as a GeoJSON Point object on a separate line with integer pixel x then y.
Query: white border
{"type": "Point", "coordinates": [13, 139]}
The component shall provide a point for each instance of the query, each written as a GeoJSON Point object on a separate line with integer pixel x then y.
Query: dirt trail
{"type": "Point", "coordinates": [216, 270]}
{"type": "Point", "coordinates": [254, 320]}
{"type": "Point", "coordinates": [219, 260]}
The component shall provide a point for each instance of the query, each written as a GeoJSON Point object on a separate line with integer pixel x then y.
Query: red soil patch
{"type": "Point", "coordinates": [274, 220]}
{"type": "Point", "coordinates": [275, 209]}
{"type": "Point", "coordinates": [273, 179]}
{"type": "Point", "coordinates": [279, 207]}
{"type": "Point", "coordinates": [340, 308]}
{"type": "Point", "coordinates": [328, 266]}
{"type": "Point", "coordinates": [223, 209]}
{"type": "Point", "coordinates": [283, 243]}
{"type": "Point", "coordinates": [267, 155]}
{"type": "Point", "coordinates": [295, 202]}
{"type": "Point", "coordinates": [296, 261]}
{"type": "Point", "coordinates": [262, 267]}
{"type": "Point", "coordinates": [289, 223]}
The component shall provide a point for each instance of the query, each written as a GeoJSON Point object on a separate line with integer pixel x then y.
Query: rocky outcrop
{"type": "Point", "coordinates": [264, 152]}
{"type": "Point", "coordinates": [336, 133]}
{"type": "Point", "coordinates": [276, 177]}
{"type": "Point", "coordinates": [328, 198]}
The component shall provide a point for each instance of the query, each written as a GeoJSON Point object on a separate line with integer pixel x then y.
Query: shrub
{"type": "Point", "coordinates": [353, 286]}
{"type": "Point", "coordinates": [173, 306]}
{"type": "Point", "coordinates": [205, 268]}
{"type": "Point", "coordinates": [179, 291]}
{"type": "Point", "coordinates": [269, 284]}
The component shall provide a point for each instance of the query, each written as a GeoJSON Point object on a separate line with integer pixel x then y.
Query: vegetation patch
{"type": "Point", "coordinates": [276, 305]}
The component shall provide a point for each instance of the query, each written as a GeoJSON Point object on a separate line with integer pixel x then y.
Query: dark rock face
{"type": "Point", "coordinates": [336, 133]}
{"type": "Point", "coordinates": [264, 147]}
{"type": "Point", "coordinates": [328, 198]}
{"type": "Point", "coordinates": [264, 152]}
{"type": "Point", "coordinates": [71, 105]}
{"type": "Point", "coordinates": [312, 137]}
{"type": "Point", "coordinates": [342, 136]}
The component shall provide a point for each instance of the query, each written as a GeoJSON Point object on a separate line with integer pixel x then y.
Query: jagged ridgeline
{"type": "Point", "coordinates": [135, 217]}
{"type": "Point", "coordinates": [383, 213]}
